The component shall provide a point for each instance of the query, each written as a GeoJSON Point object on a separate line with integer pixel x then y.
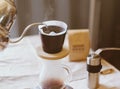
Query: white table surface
{"type": "Point", "coordinates": [20, 68]}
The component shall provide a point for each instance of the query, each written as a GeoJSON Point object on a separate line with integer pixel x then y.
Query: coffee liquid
{"type": "Point", "coordinates": [55, 29]}
{"type": "Point", "coordinates": [52, 84]}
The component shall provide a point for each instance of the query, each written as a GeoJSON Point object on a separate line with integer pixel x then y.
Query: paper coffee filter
{"type": "Point", "coordinates": [53, 23]}
{"type": "Point", "coordinates": [51, 33]}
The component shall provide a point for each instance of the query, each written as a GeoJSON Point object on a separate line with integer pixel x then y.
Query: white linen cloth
{"type": "Point", "coordinates": [20, 68]}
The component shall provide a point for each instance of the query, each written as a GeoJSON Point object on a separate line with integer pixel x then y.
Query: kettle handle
{"type": "Point", "coordinates": [24, 32]}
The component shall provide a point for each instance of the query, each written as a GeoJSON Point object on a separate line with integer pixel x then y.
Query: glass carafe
{"type": "Point", "coordinates": [54, 75]}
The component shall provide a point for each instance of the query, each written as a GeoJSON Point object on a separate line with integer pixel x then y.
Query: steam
{"type": "Point", "coordinates": [49, 9]}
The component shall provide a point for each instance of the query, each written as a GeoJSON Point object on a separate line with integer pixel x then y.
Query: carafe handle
{"type": "Point", "coordinates": [67, 68]}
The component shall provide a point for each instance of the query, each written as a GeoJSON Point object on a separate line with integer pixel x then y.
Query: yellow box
{"type": "Point", "coordinates": [79, 44]}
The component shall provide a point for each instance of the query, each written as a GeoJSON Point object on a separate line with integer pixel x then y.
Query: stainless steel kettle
{"type": "Point", "coordinates": [7, 18]}
{"type": "Point", "coordinates": [7, 15]}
